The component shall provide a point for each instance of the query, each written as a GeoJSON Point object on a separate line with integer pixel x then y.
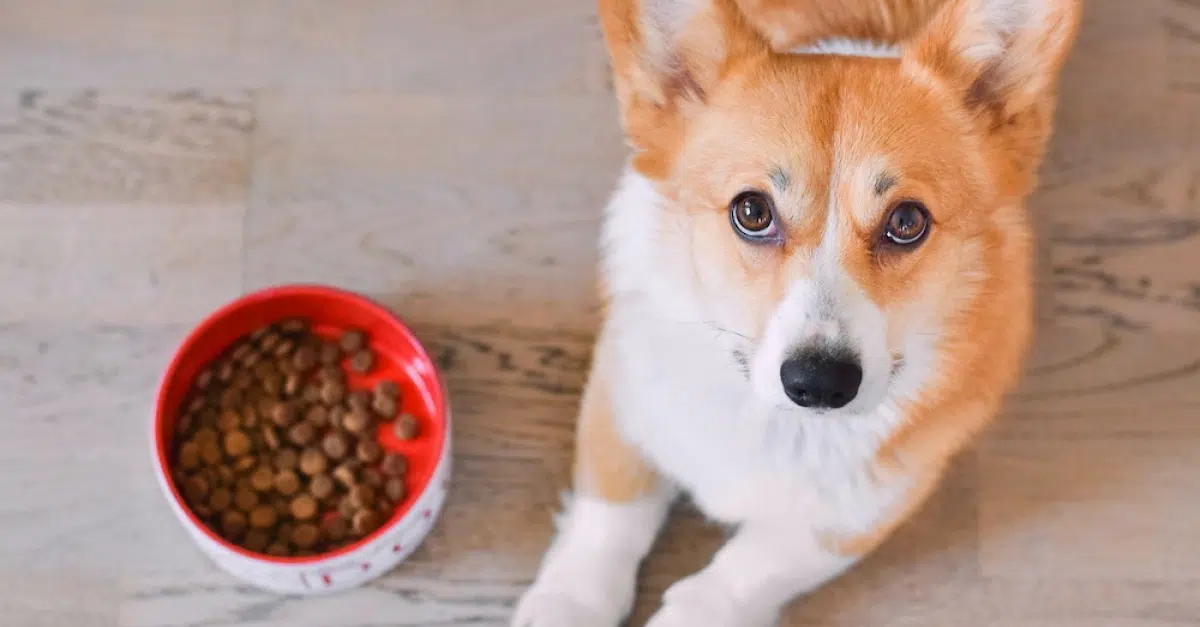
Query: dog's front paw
{"type": "Point", "coordinates": [702, 599]}
{"type": "Point", "coordinates": [551, 606]}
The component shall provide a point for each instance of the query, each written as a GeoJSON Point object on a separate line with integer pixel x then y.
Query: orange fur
{"type": "Point", "coordinates": [605, 465]}
{"type": "Point", "coordinates": [791, 23]}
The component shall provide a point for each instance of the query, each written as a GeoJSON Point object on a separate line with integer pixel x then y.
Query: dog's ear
{"type": "Point", "coordinates": [666, 57]}
{"type": "Point", "coordinates": [1004, 54]}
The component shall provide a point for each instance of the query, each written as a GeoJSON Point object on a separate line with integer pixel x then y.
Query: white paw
{"type": "Point", "coordinates": [548, 606]}
{"type": "Point", "coordinates": [703, 600]}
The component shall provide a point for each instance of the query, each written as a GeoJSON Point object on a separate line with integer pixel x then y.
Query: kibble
{"type": "Point", "coordinates": [405, 427]}
{"type": "Point", "coordinates": [304, 507]}
{"type": "Point", "coordinates": [353, 341]}
{"type": "Point", "coordinates": [313, 461]}
{"type": "Point", "coordinates": [275, 448]}
{"type": "Point", "coordinates": [362, 362]}
{"type": "Point", "coordinates": [394, 489]}
{"type": "Point", "coordinates": [336, 445]}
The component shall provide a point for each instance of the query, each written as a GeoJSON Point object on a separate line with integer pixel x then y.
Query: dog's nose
{"type": "Point", "coordinates": [821, 380]}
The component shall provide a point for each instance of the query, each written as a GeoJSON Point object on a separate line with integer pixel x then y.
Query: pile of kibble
{"type": "Point", "coordinates": [275, 453]}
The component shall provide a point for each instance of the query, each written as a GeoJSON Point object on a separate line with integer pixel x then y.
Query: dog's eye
{"type": "Point", "coordinates": [907, 224]}
{"type": "Point", "coordinates": [752, 215]}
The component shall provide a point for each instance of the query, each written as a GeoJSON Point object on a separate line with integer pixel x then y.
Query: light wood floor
{"type": "Point", "coordinates": [449, 157]}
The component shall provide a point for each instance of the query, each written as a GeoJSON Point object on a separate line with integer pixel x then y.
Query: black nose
{"type": "Point", "coordinates": [821, 380]}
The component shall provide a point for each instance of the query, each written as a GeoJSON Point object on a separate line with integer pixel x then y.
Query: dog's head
{"type": "Point", "coordinates": [846, 214]}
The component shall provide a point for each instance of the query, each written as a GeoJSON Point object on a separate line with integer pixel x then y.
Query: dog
{"type": "Point", "coordinates": [817, 268]}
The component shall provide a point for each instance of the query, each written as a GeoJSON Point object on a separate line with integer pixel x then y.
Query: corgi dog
{"type": "Point", "coordinates": [817, 268]}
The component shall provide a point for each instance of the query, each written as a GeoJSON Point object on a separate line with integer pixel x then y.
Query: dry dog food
{"type": "Point", "coordinates": [277, 454]}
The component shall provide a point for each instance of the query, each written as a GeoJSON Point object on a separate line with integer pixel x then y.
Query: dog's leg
{"type": "Point", "coordinates": [588, 577]}
{"type": "Point", "coordinates": [752, 578]}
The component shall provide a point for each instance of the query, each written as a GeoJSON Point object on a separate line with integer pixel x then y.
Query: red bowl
{"type": "Point", "coordinates": [400, 357]}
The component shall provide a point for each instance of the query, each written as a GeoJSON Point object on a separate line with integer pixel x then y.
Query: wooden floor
{"type": "Point", "coordinates": [450, 157]}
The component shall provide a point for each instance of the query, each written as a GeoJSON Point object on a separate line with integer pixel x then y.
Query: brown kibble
{"type": "Point", "coordinates": [359, 400]}
{"type": "Point", "coordinates": [331, 373]}
{"type": "Point", "coordinates": [332, 392]}
{"type": "Point", "coordinates": [388, 388]}
{"type": "Point", "coordinates": [244, 463]}
{"type": "Point", "coordinates": [331, 353]}
{"type": "Point", "coordinates": [284, 348]}
{"type": "Point", "coordinates": [210, 453]}
{"type": "Point", "coordinates": [362, 496]}
{"type": "Point", "coordinates": [225, 475]}
{"type": "Point", "coordinates": [204, 435]}
{"type": "Point", "coordinates": [263, 517]}
{"type": "Point", "coordinates": [313, 462]}
{"type": "Point", "coordinates": [230, 398]}
{"type": "Point", "coordinates": [353, 341]}
{"type": "Point", "coordinates": [304, 507]}
{"type": "Point", "coordinates": [336, 445]}
{"type": "Point", "coordinates": [204, 379]}
{"type": "Point", "coordinates": [242, 381]}
{"type": "Point", "coordinates": [237, 443]}
{"type": "Point", "coordinates": [189, 455]}
{"type": "Point", "coordinates": [283, 414]}
{"type": "Point", "coordinates": [272, 384]}
{"type": "Point", "coordinates": [385, 406]}
{"type": "Point", "coordinates": [337, 417]}
{"type": "Point", "coordinates": [241, 350]}
{"type": "Point", "coordinates": [256, 541]}
{"type": "Point", "coordinates": [304, 359]}
{"type": "Point", "coordinates": [302, 434]}
{"type": "Point", "coordinates": [292, 384]}
{"type": "Point", "coordinates": [270, 437]}
{"type": "Point", "coordinates": [287, 482]}
{"type": "Point", "coordinates": [393, 465]}
{"type": "Point", "coordinates": [346, 473]}
{"type": "Point", "coordinates": [346, 509]}
{"type": "Point", "coordinates": [286, 459]}
{"type": "Point", "coordinates": [365, 521]}
{"type": "Point", "coordinates": [195, 489]}
{"type": "Point", "coordinates": [357, 422]}
{"type": "Point", "coordinates": [373, 478]}
{"type": "Point", "coordinates": [269, 340]}
{"type": "Point", "coordinates": [185, 423]}
{"type": "Point", "coordinates": [264, 369]}
{"type": "Point", "coordinates": [277, 549]}
{"type": "Point", "coordinates": [225, 372]}
{"type": "Point", "coordinates": [263, 479]}
{"type": "Point", "coordinates": [369, 451]}
{"type": "Point", "coordinates": [229, 420]}
{"type": "Point", "coordinates": [311, 393]}
{"type": "Point", "coordinates": [246, 499]}
{"type": "Point", "coordinates": [317, 416]}
{"type": "Point", "coordinates": [220, 500]}
{"type": "Point", "coordinates": [336, 529]}
{"type": "Point", "coordinates": [283, 509]}
{"type": "Point", "coordinates": [249, 417]}
{"type": "Point", "coordinates": [293, 325]}
{"type": "Point", "coordinates": [233, 524]}
{"type": "Point", "coordinates": [406, 426]}
{"type": "Point", "coordinates": [321, 487]}
{"type": "Point", "coordinates": [394, 490]}
{"type": "Point", "coordinates": [362, 362]}
{"type": "Point", "coordinates": [306, 536]}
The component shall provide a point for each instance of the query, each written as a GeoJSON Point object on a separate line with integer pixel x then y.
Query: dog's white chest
{"type": "Point", "coordinates": [686, 409]}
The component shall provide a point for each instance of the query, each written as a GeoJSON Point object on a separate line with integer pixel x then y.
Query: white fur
{"type": "Point", "coordinates": [850, 48]}
{"type": "Point", "coordinates": [587, 578]}
{"type": "Point", "coordinates": [788, 476]}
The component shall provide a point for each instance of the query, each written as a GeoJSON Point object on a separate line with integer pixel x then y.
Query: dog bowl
{"type": "Point", "coordinates": [400, 357]}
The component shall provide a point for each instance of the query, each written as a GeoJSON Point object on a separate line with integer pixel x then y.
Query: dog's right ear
{"type": "Point", "coordinates": [666, 56]}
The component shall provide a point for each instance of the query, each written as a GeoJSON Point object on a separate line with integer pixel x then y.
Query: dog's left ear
{"type": "Point", "coordinates": [1005, 55]}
